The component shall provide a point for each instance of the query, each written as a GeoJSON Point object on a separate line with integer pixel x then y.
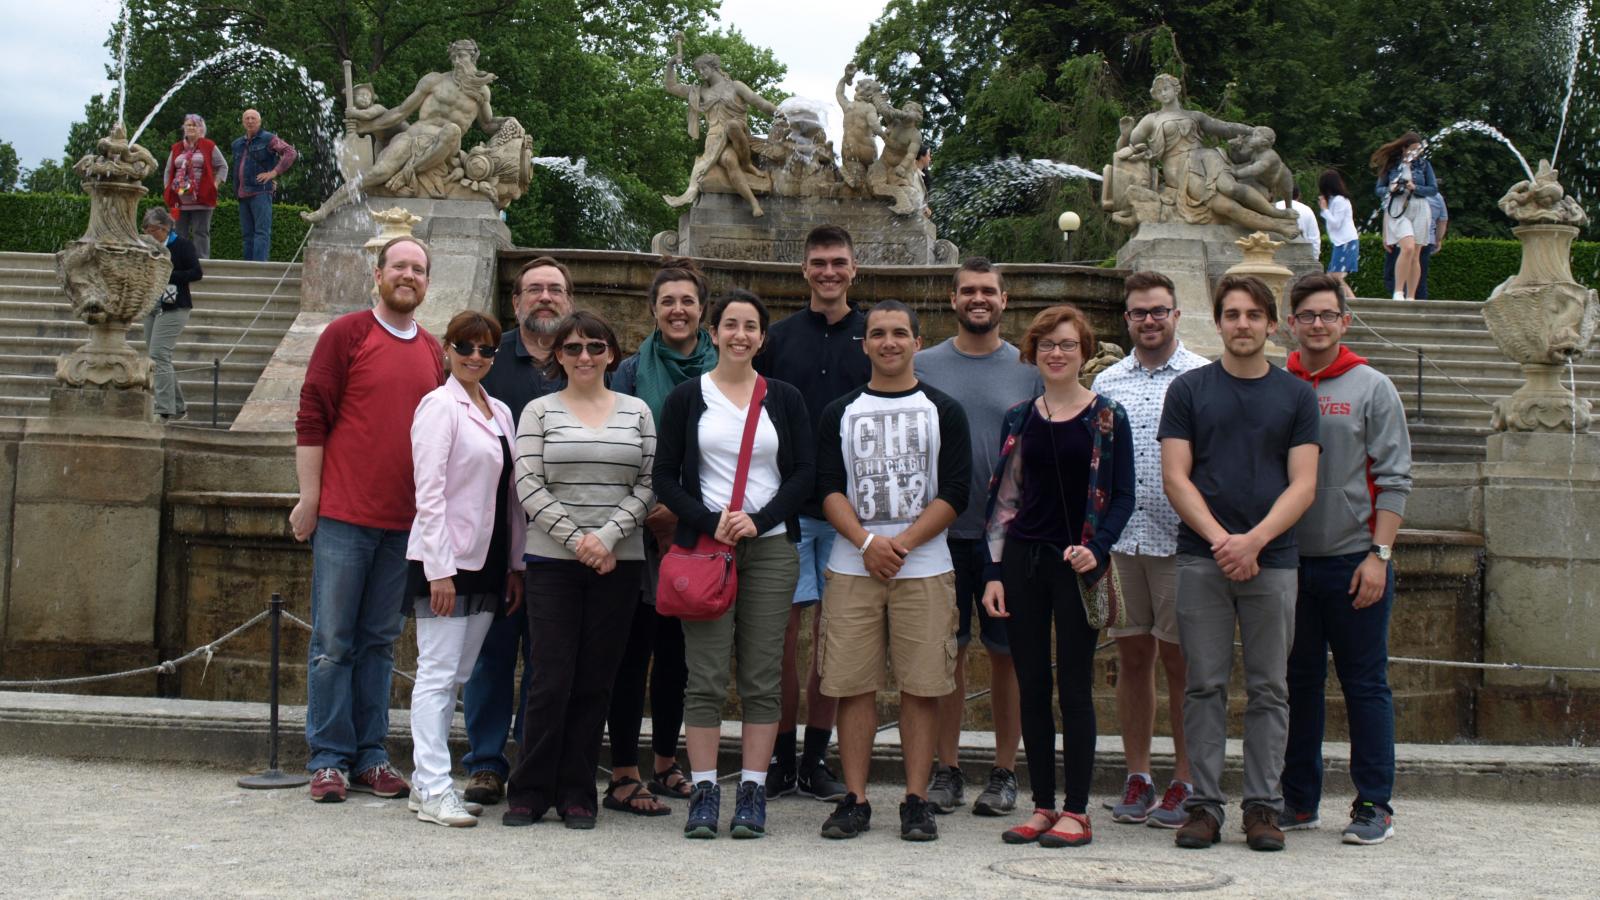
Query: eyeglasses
{"type": "Point", "coordinates": [575, 349]}
{"type": "Point", "coordinates": [1328, 317]}
{"type": "Point", "coordinates": [465, 348]}
{"type": "Point", "coordinates": [1065, 346]}
{"type": "Point", "coordinates": [1159, 313]}
{"type": "Point", "coordinates": [534, 290]}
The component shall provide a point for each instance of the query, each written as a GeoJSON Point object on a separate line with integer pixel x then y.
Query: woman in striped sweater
{"type": "Point", "coordinates": [584, 455]}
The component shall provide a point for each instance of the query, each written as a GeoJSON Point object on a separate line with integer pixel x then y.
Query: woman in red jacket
{"type": "Point", "coordinates": [195, 168]}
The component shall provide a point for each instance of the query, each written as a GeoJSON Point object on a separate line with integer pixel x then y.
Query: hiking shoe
{"type": "Point", "coordinates": [1138, 798]}
{"type": "Point", "coordinates": [818, 782]}
{"type": "Point", "coordinates": [1369, 824]}
{"type": "Point", "coordinates": [486, 787]}
{"type": "Point", "coordinates": [781, 779]}
{"type": "Point", "coordinates": [947, 789]}
{"type": "Point", "coordinates": [1295, 820]}
{"type": "Point", "coordinates": [1000, 797]}
{"type": "Point", "coordinates": [916, 820]}
{"type": "Point", "coordinates": [849, 819]}
{"type": "Point", "coordinates": [1200, 831]}
{"type": "Point", "coordinates": [1169, 813]}
{"type": "Point", "coordinates": [446, 809]}
{"type": "Point", "coordinates": [381, 781]}
{"type": "Point", "coordinates": [328, 785]}
{"type": "Point", "coordinates": [1261, 828]}
{"type": "Point", "coordinates": [519, 817]}
{"type": "Point", "coordinates": [705, 807]}
{"type": "Point", "coordinates": [749, 811]}
{"type": "Point", "coordinates": [578, 818]}
{"type": "Point", "coordinates": [415, 805]}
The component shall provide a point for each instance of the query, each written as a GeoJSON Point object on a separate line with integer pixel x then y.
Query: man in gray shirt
{"type": "Point", "coordinates": [983, 373]}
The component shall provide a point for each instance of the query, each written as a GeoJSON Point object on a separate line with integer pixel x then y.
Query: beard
{"type": "Point", "coordinates": [977, 328]}
{"type": "Point", "coordinates": [532, 324]}
{"type": "Point", "coordinates": [386, 296]}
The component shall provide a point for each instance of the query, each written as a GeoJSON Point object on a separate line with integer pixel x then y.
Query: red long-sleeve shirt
{"type": "Point", "coordinates": [362, 386]}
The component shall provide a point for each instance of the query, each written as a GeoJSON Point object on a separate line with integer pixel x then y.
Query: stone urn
{"type": "Point", "coordinates": [1541, 318]}
{"type": "Point", "coordinates": [113, 274]}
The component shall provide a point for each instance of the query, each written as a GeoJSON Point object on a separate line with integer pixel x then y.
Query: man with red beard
{"type": "Point", "coordinates": [366, 376]}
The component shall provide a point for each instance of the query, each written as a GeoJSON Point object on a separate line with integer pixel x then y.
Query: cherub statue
{"type": "Point", "coordinates": [363, 110]}
{"type": "Point", "coordinates": [862, 122]}
{"type": "Point", "coordinates": [1256, 166]}
{"type": "Point", "coordinates": [725, 103]}
{"type": "Point", "coordinates": [894, 175]}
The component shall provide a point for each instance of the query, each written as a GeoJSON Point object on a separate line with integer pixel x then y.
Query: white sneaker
{"type": "Point", "coordinates": [415, 805]}
{"type": "Point", "coordinates": [1399, 295]}
{"type": "Point", "coordinates": [447, 809]}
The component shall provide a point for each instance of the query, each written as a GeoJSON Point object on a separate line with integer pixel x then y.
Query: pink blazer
{"type": "Point", "coordinates": [456, 463]}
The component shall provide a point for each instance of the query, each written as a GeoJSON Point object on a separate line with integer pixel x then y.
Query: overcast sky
{"type": "Point", "coordinates": [52, 58]}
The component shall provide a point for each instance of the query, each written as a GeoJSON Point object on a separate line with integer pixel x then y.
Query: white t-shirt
{"type": "Point", "coordinates": [1309, 232]}
{"type": "Point", "coordinates": [1341, 220]}
{"type": "Point", "coordinates": [721, 431]}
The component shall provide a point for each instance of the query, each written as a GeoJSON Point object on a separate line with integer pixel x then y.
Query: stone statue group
{"type": "Point", "coordinates": [795, 158]}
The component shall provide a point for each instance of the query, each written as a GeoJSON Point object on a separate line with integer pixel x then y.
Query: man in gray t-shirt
{"type": "Point", "coordinates": [983, 373]}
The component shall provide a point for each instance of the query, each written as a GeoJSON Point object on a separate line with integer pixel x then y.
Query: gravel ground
{"type": "Point", "coordinates": [118, 829]}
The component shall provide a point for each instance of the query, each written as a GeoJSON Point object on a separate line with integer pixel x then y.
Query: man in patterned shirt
{"type": "Point", "coordinates": [1145, 557]}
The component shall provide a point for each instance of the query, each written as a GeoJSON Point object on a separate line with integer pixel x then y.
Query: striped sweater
{"type": "Point", "coordinates": [575, 480]}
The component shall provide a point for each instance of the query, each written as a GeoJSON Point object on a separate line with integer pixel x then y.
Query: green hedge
{"type": "Point", "coordinates": [1465, 268]}
{"type": "Point", "coordinates": [43, 223]}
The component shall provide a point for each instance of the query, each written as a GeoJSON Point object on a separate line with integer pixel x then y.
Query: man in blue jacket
{"type": "Point", "coordinates": [258, 159]}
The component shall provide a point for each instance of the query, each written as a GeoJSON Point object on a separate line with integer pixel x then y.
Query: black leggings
{"type": "Point", "coordinates": [1040, 586]}
{"type": "Point", "coordinates": [662, 636]}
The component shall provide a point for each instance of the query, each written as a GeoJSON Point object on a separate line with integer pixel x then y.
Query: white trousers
{"type": "Point", "coordinates": [447, 649]}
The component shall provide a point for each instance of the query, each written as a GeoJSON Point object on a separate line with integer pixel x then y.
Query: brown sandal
{"type": "Point", "coordinates": [639, 794]}
{"type": "Point", "coordinates": [680, 790]}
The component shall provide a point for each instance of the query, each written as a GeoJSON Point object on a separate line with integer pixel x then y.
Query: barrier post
{"type": "Point", "coordinates": [216, 391]}
{"type": "Point", "coordinates": [273, 777]}
{"type": "Point", "coordinates": [1419, 384]}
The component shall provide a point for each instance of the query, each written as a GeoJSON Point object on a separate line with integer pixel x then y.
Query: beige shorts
{"type": "Point", "coordinates": [1150, 593]}
{"type": "Point", "coordinates": [868, 624]}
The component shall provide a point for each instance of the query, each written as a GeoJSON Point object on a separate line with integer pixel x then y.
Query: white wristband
{"type": "Point", "coordinates": [865, 544]}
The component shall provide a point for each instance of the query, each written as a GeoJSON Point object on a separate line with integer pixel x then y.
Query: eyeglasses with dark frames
{"type": "Point", "coordinates": [574, 349]}
{"type": "Point", "coordinates": [1328, 317]}
{"type": "Point", "coordinates": [1159, 313]}
{"type": "Point", "coordinates": [1046, 346]}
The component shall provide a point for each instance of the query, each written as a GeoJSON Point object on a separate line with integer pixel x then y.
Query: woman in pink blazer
{"type": "Point", "coordinates": [467, 536]}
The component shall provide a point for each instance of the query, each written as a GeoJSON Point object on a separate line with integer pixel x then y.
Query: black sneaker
{"type": "Point", "coordinates": [946, 789]}
{"type": "Point", "coordinates": [749, 811]}
{"type": "Point", "coordinates": [705, 807]}
{"type": "Point", "coordinates": [849, 819]}
{"type": "Point", "coordinates": [1000, 797]}
{"type": "Point", "coordinates": [916, 820]}
{"type": "Point", "coordinates": [818, 782]}
{"type": "Point", "coordinates": [780, 777]}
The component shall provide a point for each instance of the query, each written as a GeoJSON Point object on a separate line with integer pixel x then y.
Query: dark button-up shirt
{"type": "Point", "coordinates": [517, 379]}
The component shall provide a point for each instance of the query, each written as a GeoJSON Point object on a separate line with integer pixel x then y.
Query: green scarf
{"type": "Point", "coordinates": [662, 368]}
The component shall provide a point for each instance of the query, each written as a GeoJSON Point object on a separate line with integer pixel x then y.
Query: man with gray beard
{"type": "Point", "coordinates": [541, 300]}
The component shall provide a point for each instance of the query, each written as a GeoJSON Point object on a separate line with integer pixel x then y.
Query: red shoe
{"type": "Point", "coordinates": [1027, 834]}
{"type": "Point", "coordinates": [382, 781]}
{"type": "Point", "coordinates": [328, 786]}
{"type": "Point", "coordinates": [1054, 838]}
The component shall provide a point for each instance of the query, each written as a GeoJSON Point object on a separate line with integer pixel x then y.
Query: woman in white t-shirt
{"type": "Point", "coordinates": [702, 426]}
{"type": "Point", "coordinates": [1340, 217]}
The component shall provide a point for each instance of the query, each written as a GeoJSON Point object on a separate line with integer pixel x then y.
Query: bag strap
{"type": "Point", "coordinates": [752, 418]}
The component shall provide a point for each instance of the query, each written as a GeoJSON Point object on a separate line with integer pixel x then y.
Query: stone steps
{"type": "Point", "coordinates": [242, 310]}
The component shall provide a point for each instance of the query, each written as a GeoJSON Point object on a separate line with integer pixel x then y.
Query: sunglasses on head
{"type": "Point", "coordinates": [574, 349]}
{"type": "Point", "coordinates": [465, 348]}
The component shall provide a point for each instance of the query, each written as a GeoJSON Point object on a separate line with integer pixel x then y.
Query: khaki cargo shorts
{"type": "Point", "coordinates": [1150, 593]}
{"type": "Point", "coordinates": [868, 624]}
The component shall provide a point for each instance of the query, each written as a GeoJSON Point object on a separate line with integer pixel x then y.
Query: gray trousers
{"type": "Point", "coordinates": [194, 225]}
{"type": "Point", "coordinates": [1208, 606]}
{"type": "Point", "coordinates": [161, 330]}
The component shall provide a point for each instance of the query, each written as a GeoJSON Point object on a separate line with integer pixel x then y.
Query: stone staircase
{"type": "Point", "coordinates": [232, 313]}
{"type": "Point", "coordinates": [1460, 360]}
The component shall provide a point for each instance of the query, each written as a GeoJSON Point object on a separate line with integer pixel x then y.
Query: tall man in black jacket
{"type": "Point", "coordinates": [167, 319]}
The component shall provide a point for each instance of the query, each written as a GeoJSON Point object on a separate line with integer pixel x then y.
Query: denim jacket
{"type": "Point", "coordinates": [1424, 184]}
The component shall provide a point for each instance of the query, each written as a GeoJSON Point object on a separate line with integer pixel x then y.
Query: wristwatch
{"type": "Point", "coordinates": [1384, 551]}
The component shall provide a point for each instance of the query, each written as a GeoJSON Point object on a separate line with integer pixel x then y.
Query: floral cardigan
{"type": "Point", "coordinates": [1111, 483]}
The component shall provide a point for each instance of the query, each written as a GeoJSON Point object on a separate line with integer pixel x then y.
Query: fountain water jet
{"type": "Point", "coordinates": [244, 51]}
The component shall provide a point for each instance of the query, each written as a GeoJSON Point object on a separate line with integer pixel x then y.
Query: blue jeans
{"type": "Point", "coordinates": [358, 580]}
{"type": "Point", "coordinates": [490, 691]}
{"type": "Point", "coordinates": [1359, 638]}
{"type": "Point", "coordinates": [816, 544]}
{"type": "Point", "coordinates": [255, 223]}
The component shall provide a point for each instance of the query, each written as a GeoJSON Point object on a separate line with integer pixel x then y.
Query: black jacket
{"type": "Point", "coordinates": [185, 270]}
{"type": "Point", "coordinates": [677, 468]}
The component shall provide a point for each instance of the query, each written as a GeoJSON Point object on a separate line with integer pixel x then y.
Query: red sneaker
{"type": "Point", "coordinates": [328, 786]}
{"type": "Point", "coordinates": [382, 781]}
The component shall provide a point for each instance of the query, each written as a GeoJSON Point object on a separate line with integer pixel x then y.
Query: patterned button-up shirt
{"type": "Point", "coordinates": [1153, 528]}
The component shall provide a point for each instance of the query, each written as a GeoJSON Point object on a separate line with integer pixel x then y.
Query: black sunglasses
{"type": "Point", "coordinates": [574, 349]}
{"type": "Point", "coordinates": [465, 349]}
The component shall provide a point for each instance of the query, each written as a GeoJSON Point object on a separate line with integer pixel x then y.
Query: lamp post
{"type": "Point", "coordinates": [1068, 222]}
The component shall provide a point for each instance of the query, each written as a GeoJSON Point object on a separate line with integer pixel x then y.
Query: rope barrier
{"type": "Point", "coordinates": [166, 667]}
{"type": "Point", "coordinates": [1422, 357]}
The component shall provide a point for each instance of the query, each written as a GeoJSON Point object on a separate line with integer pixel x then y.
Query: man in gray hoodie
{"type": "Point", "coordinates": [1346, 579]}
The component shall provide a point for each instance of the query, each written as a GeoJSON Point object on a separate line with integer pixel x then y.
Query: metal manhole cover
{"type": "Point", "coordinates": [1099, 874]}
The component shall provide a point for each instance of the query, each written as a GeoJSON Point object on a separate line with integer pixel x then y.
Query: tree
{"type": "Point", "coordinates": [10, 168]}
{"type": "Point", "coordinates": [51, 177]}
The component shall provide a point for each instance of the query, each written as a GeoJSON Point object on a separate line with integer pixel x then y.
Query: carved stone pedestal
{"type": "Point", "coordinates": [1195, 257]}
{"type": "Point", "coordinates": [720, 226]}
{"type": "Point", "coordinates": [1541, 496]}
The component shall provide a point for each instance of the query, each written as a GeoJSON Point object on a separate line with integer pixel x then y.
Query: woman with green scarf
{"type": "Point", "coordinates": [678, 350]}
